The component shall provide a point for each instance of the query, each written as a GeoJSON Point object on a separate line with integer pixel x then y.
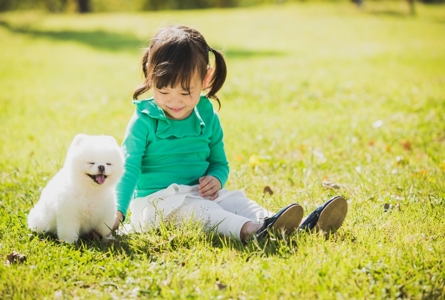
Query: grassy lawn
{"type": "Point", "coordinates": [320, 100]}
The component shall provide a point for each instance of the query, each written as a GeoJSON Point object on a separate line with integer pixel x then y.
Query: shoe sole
{"type": "Point", "coordinates": [332, 216]}
{"type": "Point", "coordinates": [290, 220]}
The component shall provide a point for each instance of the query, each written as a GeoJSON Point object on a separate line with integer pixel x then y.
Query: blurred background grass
{"type": "Point", "coordinates": [321, 98]}
{"type": "Point", "coordinates": [85, 6]}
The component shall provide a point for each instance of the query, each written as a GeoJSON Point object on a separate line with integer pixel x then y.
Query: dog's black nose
{"type": "Point", "coordinates": [101, 168]}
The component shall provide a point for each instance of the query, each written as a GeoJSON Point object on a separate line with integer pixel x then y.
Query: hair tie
{"type": "Point", "coordinates": [209, 49]}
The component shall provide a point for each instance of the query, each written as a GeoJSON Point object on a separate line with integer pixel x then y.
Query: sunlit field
{"type": "Point", "coordinates": [320, 100]}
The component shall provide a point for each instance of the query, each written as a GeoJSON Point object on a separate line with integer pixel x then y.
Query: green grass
{"type": "Point", "coordinates": [315, 92]}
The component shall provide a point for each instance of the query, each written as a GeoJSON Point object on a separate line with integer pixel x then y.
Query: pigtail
{"type": "Point", "coordinates": [219, 75]}
{"type": "Point", "coordinates": [145, 86]}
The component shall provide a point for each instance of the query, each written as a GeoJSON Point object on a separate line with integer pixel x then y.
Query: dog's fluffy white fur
{"type": "Point", "coordinates": [81, 198]}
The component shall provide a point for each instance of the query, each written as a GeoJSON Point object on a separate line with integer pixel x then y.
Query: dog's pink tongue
{"type": "Point", "coordinates": [100, 178]}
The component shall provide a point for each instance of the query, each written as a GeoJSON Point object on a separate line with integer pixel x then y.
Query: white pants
{"type": "Point", "coordinates": [227, 213]}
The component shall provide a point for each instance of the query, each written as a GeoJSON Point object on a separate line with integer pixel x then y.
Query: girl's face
{"type": "Point", "coordinates": [176, 102]}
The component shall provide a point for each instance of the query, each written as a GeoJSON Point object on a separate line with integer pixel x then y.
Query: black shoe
{"type": "Point", "coordinates": [327, 217]}
{"type": "Point", "coordinates": [288, 219]}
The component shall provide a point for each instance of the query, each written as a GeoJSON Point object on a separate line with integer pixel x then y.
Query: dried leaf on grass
{"type": "Point", "coordinates": [219, 285]}
{"type": "Point", "coordinates": [267, 190]}
{"type": "Point", "coordinates": [331, 185]}
{"type": "Point", "coordinates": [389, 207]}
{"type": "Point", "coordinates": [15, 258]}
{"type": "Point", "coordinates": [406, 145]}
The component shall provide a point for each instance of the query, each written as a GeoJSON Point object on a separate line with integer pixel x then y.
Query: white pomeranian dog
{"type": "Point", "coordinates": [81, 198]}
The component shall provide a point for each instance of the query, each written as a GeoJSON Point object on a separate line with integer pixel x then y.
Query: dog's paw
{"type": "Point", "coordinates": [68, 240]}
{"type": "Point", "coordinates": [68, 237]}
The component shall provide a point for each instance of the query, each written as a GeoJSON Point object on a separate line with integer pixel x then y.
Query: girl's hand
{"type": "Point", "coordinates": [209, 187]}
{"type": "Point", "coordinates": [118, 220]}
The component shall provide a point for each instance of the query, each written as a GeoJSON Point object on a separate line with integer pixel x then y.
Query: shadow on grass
{"type": "Point", "coordinates": [157, 241]}
{"type": "Point", "coordinates": [99, 39]}
{"type": "Point", "coordinates": [114, 42]}
{"type": "Point", "coordinates": [391, 13]}
{"type": "Point", "coordinates": [151, 244]}
{"type": "Point", "coordinates": [243, 54]}
{"type": "Point", "coordinates": [406, 13]}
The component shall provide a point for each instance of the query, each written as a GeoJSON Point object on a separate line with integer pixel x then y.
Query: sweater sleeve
{"type": "Point", "coordinates": [219, 165]}
{"type": "Point", "coordinates": [133, 146]}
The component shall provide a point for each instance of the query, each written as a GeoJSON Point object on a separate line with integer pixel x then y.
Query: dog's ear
{"type": "Point", "coordinates": [78, 139]}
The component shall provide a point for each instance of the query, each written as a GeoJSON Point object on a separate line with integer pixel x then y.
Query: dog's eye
{"type": "Point", "coordinates": [90, 163]}
{"type": "Point", "coordinates": [108, 164]}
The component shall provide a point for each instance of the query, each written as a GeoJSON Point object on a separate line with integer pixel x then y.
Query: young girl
{"type": "Point", "coordinates": [176, 165]}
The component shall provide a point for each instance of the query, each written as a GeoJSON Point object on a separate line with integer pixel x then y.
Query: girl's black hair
{"type": "Point", "coordinates": [174, 56]}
